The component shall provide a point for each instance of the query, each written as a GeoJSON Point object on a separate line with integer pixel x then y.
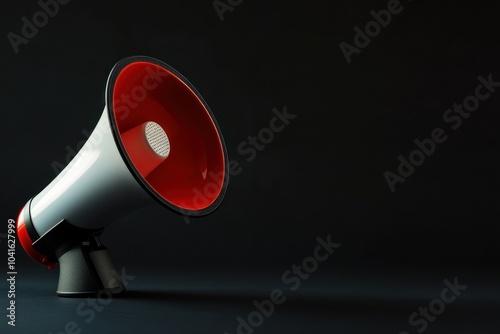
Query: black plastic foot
{"type": "Point", "coordinates": [86, 269]}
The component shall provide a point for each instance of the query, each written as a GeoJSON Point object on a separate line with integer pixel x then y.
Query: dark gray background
{"type": "Point", "coordinates": [322, 175]}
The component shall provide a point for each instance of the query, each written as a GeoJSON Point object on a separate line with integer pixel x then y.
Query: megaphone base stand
{"type": "Point", "coordinates": [86, 269]}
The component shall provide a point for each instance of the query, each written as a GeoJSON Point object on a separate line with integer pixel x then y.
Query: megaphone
{"type": "Point", "coordinates": [156, 141]}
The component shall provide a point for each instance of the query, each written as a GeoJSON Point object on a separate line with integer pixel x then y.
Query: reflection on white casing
{"type": "Point", "coordinates": [98, 177]}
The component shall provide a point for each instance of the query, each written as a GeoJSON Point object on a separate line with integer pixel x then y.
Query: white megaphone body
{"type": "Point", "coordinates": [156, 142]}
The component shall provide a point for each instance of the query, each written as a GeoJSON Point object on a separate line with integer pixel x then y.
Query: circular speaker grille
{"type": "Point", "coordinates": [157, 139]}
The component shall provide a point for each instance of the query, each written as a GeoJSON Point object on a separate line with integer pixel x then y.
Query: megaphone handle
{"type": "Point", "coordinates": [86, 269]}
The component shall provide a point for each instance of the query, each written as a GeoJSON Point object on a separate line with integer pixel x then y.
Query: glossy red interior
{"type": "Point", "coordinates": [192, 175]}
